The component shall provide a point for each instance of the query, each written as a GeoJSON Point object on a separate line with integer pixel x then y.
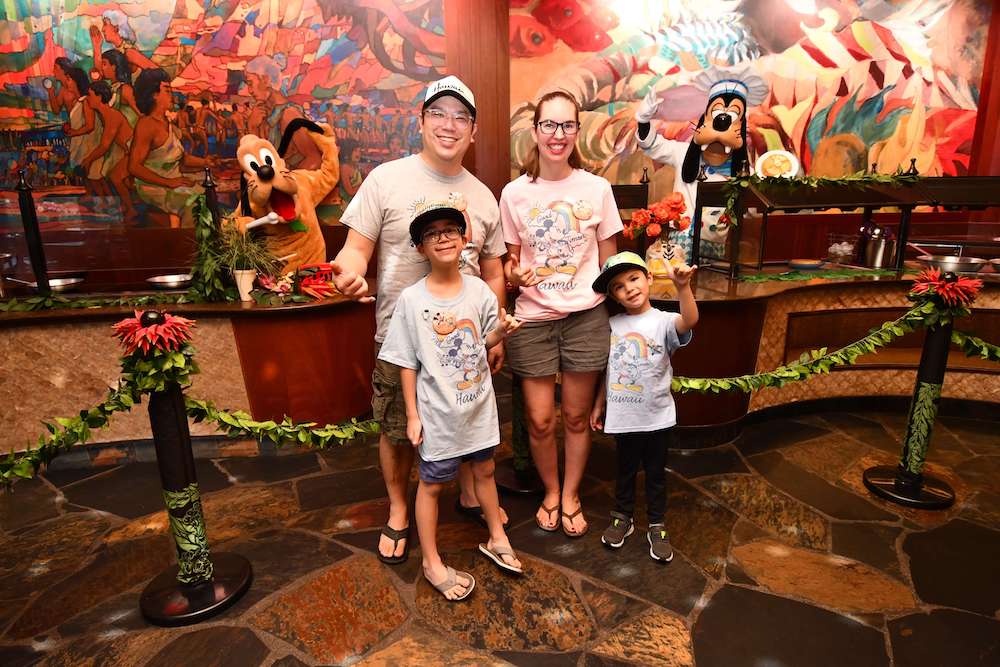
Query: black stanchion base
{"type": "Point", "coordinates": [167, 602]}
{"type": "Point", "coordinates": [517, 481]}
{"type": "Point", "coordinates": [930, 494]}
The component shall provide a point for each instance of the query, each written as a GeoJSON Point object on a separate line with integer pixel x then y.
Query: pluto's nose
{"type": "Point", "coordinates": [265, 172]}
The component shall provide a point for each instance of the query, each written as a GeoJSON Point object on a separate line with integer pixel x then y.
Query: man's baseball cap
{"type": "Point", "coordinates": [616, 264]}
{"type": "Point", "coordinates": [432, 212]}
{"type": "Point", "coordinates": [450, 85]}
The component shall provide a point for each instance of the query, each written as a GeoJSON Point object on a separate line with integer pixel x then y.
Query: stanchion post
{"type": "Point", "coordinates": [211, 196]}
{"type": "Point", "coordinates": [32, 234]}
{"type": "Point", "coordinates": [199, 585]}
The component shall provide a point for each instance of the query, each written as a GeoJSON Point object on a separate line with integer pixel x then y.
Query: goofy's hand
{"type": "Point", "coordinates": [648, 107]}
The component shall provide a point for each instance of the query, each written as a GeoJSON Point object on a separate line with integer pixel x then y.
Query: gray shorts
{"type": "Point", "coordinates": [438, 472]}
{"type": "Point", "coordinates": [579, 342]}
{"type": "Point", "coordinates": [388, 407]}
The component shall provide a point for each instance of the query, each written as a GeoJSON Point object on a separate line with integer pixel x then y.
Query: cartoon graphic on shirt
{"type": "Point", "coordinates": [460, 351]}
{"type": "Point", "coordinates": [554, 234]}
{"type": "Point", "coordinates": [631, 356]}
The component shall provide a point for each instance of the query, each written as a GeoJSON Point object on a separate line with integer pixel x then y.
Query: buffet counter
{"type": "Point", "coordinates": [311, 361]}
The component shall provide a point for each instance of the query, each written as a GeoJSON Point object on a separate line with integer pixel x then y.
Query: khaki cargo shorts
{"type": "Point", "coordinates": [388, 408]}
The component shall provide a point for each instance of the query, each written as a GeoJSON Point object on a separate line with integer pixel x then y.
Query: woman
{"type": "Point", "coordinates": [559, 223]}
{"type": "Point", "coordinates": [84, 130]}
{"type": "Point", "coordinates": [116, 69]}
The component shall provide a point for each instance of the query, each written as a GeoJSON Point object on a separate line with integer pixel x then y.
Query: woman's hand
{"type": "Point", "coordinates": [522, 277]}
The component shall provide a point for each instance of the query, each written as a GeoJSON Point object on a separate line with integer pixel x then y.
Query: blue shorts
{"type": "Point", "coordinates": [445, 470]}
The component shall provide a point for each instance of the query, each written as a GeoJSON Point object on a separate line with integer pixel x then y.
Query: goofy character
{"type": "Point", "coordinates": [719, 144]}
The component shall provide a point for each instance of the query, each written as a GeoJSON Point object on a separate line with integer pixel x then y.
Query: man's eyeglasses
{"type": "Point", "coordinates": [435, 235]}
{"type": "Point", "coordinates": [440, 117]}
{"type": "Point", "coordinates": [550, 126]}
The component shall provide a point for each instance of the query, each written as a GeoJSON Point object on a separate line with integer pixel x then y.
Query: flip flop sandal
{"type": "Point", "coordinates": [549, 511]}
{"type": "Point", "coordinates": [475, 513]}
{"type": "Point", "coordinates": [496, 555]}
{"type": "Point", "coordinates": [572, 516]}
{"type": "Point", "coordinates": [450, 582]}
{"type": "Point", "coordinates": [395, 536]}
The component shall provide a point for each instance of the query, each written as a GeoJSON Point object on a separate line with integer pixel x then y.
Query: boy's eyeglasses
{"type": "Point", "coordinates": [440, 117]}
{"type": "Point", "coordinates": [569, 127]}
{"type": "Point", "coordinates": [435, 235]}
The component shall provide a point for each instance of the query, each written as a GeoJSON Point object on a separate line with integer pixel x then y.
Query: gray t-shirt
{"type": "Point", "coordinates": [639, 372]}
{"type": "Point", "coordinates": [443, 340]}
{"type": "Point", "coordinates": [384, 206]}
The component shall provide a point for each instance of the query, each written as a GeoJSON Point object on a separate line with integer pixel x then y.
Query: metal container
{"type": "Point", "coordinates": [995, 263]}
{"type": "Point", "coordinates": [953, 263]}
{"type": "Point", "coordinates": [171, 281]}
{"type": "Point", "coordinates": [55, 284]}
{"type": "Point", "coordinates": [879, 252]}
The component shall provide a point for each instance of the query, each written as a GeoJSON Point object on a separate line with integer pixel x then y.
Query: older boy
{"type": "Point", "coordinates": [439, 333]}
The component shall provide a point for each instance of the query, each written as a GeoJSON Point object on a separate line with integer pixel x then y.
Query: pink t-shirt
{"type": "Point", "coordinates": [558, 224]}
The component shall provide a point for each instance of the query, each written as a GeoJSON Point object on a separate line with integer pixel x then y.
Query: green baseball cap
{"type": "Point", "coordinates": [616, 264]}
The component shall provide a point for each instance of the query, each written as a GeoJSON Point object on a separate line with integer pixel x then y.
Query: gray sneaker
{"type": "Point", "coordinates": [659, 543]}
{"type": "Point", "coordinates": [620, 528]}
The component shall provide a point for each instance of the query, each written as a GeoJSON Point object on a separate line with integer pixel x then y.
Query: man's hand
{"type": "Point", "coordinates": [648, 107]}
{"type": "Point", "coordinates": [681, 275]}
{"type": "Point", "coordinates": [414, 430]}
{"type": "Point", "coordinates": [495, 357]}
{"type": "Point", "coordinates": [522, 277]}
{"type": "Point", "coordinates": [350, 284]}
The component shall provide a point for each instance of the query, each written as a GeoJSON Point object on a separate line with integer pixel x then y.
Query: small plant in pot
{"type": "Point", "coordinates": [247, 256]}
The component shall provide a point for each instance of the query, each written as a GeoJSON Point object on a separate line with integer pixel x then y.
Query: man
{"type": "Point", "coordinates": [380, 214]}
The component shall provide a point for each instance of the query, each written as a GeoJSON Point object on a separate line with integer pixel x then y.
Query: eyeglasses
{"type": "Point", "coordinates": [435, 235]}
{"type": "Point", "coordinates": [569, 127]}
{"type": "Point", "coordinates": [440, 117]}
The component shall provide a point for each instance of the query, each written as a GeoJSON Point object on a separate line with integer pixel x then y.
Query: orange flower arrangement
{"type": "Point", "coordinates": [668, 212]}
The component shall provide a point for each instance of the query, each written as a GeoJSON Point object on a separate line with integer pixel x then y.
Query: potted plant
{"type": "Point", "coordinates": [246, 255]}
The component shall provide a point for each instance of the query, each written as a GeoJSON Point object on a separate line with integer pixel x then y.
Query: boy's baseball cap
{"type": "Point", "coordinates": [450, 85]}
{"type": "Point", "coordinates": [616, 264]}
{"type": "Point", "coordinates": [432, 212]}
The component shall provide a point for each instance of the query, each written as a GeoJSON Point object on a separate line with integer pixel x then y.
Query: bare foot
{"type": "Point", "coordinates": [572, 518]}
{"type": "Point", "coordinates": [547, 516]}
{"type": "Point", "coordinates": [438, 574]}
{"type": "Point", "coordinates": [509, 559]}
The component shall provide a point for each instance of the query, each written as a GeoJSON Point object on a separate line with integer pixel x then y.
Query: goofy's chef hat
{"type": "Point", "coordinates": [741, 81]}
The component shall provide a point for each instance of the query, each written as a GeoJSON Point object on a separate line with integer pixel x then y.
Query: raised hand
{"type": "Point", "coordinates": [507, 324]}
{"type": "Point", "coordinates": [680, 275]}
{"type": "Point", "coordinates": [522, 277]}
{"type": "Point", "coordinates": [648, 107]}
{"type": "Point", "coordinates": [350, 284]}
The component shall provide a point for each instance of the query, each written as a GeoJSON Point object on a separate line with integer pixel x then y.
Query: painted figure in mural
{"type": "Point", "coordinates": [115, 68]}
{"type": "Point", "coordinates": [82, 129]}
{"type": "Point", "coordinates": [560, 223]}
{"type": "Point", "coordinates": [116, 31]}
{"type": "Point", "coordinates": [110, 155]}
{"type": "Point", "coordinates": [379, 216]}
{"type": "Point", "coordinates": [158, 156]}
{"type": "Point", "coordinates": [293, 195]}
{"type": "Point", "coordinates": [350, 173]}
{"type": "Point", "coordinates": [719, 144]}
{"type": "Point", "coordinates": [273, 112]}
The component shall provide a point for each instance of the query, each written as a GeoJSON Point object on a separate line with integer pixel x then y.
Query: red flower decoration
{"type": "Point", "coordinates": [653, 230]}
{"type": "Point", "coordinates": [958, 292]}
{"type": "Point", "coordinates": [170, 332]}
{"type": "Point", "coordinates": [667, 213]}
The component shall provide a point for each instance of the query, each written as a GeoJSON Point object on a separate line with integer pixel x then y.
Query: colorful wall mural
{"type": "Point", "coordinates": [125, 101]}
{"type": "Point", "coordinates": [851, 83]}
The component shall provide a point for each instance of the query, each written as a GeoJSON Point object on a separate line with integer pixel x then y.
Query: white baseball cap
{"type": "Point", "coordinates": [451, 85]}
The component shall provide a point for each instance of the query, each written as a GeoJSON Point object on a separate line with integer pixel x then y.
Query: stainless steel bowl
{"type": "Point", "coordinates": [172, 281]}
{"type": "Point", "coordinates": [995, 263]}
{"type": "Point", "coordinates": [953, 263]}
{"type": "Point", "coordinates": [63, 284]}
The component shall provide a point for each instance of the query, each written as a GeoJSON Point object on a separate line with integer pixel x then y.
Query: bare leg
{"type": "Point", "coordinates": [577, 400]}
{"type": "Point", "coordinates": [540, 410]}
{"type": "Point", "coordinates": [118, 177]}
{"type": "Point", "coordinates": [467, 489]}
{"type": "Point", "coordinates": [427, 518]}
{"type": "Point", "coordinates": [396, 461]}
{"type": "Point", "coordinates": [486, 491]}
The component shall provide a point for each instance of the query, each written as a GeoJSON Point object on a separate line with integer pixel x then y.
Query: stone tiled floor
{"type": "Point", "coordinates": [783, 560]}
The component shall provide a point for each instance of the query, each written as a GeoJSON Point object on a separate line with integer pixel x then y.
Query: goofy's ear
{"type": "Point", "coordinates": [691, 164]}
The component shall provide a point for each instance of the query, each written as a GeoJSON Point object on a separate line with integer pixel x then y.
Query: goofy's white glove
{"type": "Point", "coordinates": [648, 107]}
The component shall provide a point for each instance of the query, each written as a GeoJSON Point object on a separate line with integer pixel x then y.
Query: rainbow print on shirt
{"type": "Point", "coordinates": [554, 235]}
{"type": "Point", "coordinates": [460, 350]}
{"type": "Point", "coordinates": [631, 356]}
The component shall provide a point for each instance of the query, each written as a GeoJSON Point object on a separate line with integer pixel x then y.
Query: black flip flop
{"type": "Point", "coordinates": [395, 536]}
{"type": "Point", "coordinates": [475, 513]}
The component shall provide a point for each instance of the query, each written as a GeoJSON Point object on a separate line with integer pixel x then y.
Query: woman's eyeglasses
{"type": "Point", "coordinates": [440, 117]}
{"type": "Point", "coordinates": [435, 235]}
{"type": "Point", "coordinates": [550, 126]}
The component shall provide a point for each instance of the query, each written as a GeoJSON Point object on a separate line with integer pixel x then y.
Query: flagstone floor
{"type": "Point", "coordinates": [782, 560]}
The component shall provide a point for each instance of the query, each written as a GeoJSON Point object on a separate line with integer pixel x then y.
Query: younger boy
{"type": "Point", "coordinates": [640, 409]}
{"type": "Point", "coordinates": [438, 335]}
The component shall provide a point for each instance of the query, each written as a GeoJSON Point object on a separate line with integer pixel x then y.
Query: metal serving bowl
{"type": "Point", "coordinates": [172, 281]}
{"type": "Point", "coordinates": [953, 263]}
{"type": "Point", "coordinates": [995, 263]}
{"type": "Point", "coordinates": [55, 284]}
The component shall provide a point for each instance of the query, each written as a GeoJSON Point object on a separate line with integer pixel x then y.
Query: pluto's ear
{"type": "Point", "coordinates": [293, 126]}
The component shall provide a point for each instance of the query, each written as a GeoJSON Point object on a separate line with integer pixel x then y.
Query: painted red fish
{"type": "Point", "coordinates": [569, 22]}
{"type": "Point", "coordinates": [529, 38]}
